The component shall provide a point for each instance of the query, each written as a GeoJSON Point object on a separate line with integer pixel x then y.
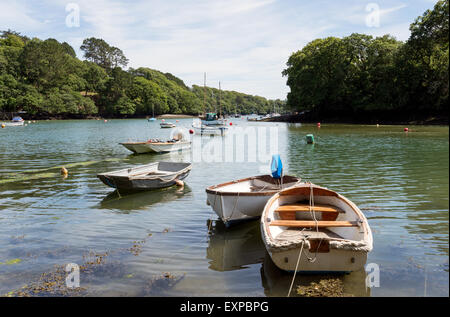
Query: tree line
{"type": "Point", "coordinates": [360, 77]}
{"type": "Point", "coordinates": [45, 78]}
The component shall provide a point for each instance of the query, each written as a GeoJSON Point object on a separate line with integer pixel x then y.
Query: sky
{"type": "Point", "coordinates": [244, 44]}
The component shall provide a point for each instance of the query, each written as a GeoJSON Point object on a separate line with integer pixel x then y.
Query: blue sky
{"type": "Point", "coordinates": [243, 43]}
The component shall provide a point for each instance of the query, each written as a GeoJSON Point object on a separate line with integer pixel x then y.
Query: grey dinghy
{"type": "Point", "coordinates": [146, 177]}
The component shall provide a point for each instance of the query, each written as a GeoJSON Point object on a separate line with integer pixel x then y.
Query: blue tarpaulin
{"type": "Point", "coordinates": [276, 166]}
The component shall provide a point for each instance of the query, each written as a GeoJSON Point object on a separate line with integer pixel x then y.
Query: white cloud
{"type": "Point", "coordinates": [15, 15]}
{"type": "Point", "coordinates": [243, 43]}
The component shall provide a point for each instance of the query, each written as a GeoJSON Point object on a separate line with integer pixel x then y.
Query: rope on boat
{"type": "Point", "coordinates": [296, 267]}
{"type": "Point", "coordinates": [313, 214]}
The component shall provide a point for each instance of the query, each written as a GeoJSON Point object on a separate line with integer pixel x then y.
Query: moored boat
{"type": "Point", "coordinates": [245, 199]}
{"type": "Point", "coordinates": [167, 125]}
{"type": "Point", "coordinates": [147, 177]}
{"type": "Point", "coordinates": [157, 146]}
{"type": "Point", "coordinates": [308, 228]}
{"type": "Point", "coordinates": [210, 130]}
{"type": "Point", "coordinates": [16, 121]}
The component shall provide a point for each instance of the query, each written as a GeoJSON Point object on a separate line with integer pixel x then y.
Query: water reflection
{"type": "Point", "coordinates": [142, 200]}
{"type": "Point", "coordinates": [235, 248]}
{"type": "Point", "coordinates": [276, 282]}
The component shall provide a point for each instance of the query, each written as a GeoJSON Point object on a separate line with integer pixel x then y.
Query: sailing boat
{"type": "Point", "coordinates": [210, 124]}
{"type": "Point", "coordinates": [153, 114]}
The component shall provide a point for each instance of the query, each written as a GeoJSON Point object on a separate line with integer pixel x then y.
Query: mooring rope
{"type": "Point", "coordinates": [296, 267]}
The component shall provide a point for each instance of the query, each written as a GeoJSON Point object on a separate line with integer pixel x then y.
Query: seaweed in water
{"type": "Point", "coordinates": [160, 284]}
{"type": "Point", "coordinates": [329, 287]}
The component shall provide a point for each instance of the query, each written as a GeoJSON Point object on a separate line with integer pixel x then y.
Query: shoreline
{"type": "Point", "coordinates": [432, 120]}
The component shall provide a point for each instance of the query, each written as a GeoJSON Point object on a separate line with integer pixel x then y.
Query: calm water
{"type": "Point", "coordinates": [399, 180]}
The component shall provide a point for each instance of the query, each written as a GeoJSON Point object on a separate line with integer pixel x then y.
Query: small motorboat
{"type": "Point", "coordinates": [308, 228]}
{"type": "Point", "coordinates": [178, 143]}
{"type": "Point", "coordinates": [167, 125]}
{"type": "Point", "coordinates": [210, 130]}
{"type": "Point", "coordinates": [151, 119]}
{"type": "Point", "coordinates": [245, 199]}
{"type": "Point", "coordinates": [147, 177]}
{"type": "Point", "coordinates": [16, 121]}
{"type": "Point", "coordinates": [157, 146]}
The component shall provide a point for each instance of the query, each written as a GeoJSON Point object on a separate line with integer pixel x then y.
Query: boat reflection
{"type": "Point", "coordinates": [142, 200]}
{"type": "Point", "coordinates": [234, 248]}
{"type": "Point", "coordinates": [276, 282]}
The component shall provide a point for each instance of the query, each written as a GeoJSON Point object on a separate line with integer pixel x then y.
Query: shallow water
{"type": "Point", "coordinates": [399, 180]}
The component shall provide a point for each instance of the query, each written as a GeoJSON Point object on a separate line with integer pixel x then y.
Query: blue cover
{"type": "Point", "coordinates": [276, 166]}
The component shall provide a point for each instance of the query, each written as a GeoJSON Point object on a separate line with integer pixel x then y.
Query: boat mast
{"type": "Point", "coordinates": [220, 104]}
{"type": "Point", "coordinates": [204, 95]}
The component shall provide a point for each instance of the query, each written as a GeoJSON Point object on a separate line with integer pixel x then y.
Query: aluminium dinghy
{"type": "Point", "coordinates": [146, 177]}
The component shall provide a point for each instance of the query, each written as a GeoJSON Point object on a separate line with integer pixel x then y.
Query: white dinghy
{"type": "Point", "coordinates": [157, 146]}
{"type": "Point", "coordinates": [178, 143]}
{"type": "Point", "coordinates": [245, 198]}
{"type": "Point", "coordinates": [308, 228]}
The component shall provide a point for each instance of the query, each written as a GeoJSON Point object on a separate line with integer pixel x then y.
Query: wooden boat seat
{"type": "Point", "coordinates": [287, 212]}
{"type": "Point", "coordinates": [312, 224]}
{"type": "Point", "coordinates": [294, 234]}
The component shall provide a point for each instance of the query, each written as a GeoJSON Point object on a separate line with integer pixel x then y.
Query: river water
{"type": "Point", "coordinates": [399, 180]}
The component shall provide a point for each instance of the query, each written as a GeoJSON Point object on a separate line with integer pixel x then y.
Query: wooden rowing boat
{"type": "Point", "coordinates": [319, 223]}
{"type": "Point", "coordinates": [147, 177]}
{"type": "Point", "coordinates": [245, 199]}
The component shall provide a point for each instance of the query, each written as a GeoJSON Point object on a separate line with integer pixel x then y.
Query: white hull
{"type": "Point", "coordinates": [232, 208]}
{"type": "Point", "coordinates": [245, 199]}
{"type": "Point", "coordinates": [142, 147]}
{"type": "Point", "coordinates": [333, 261]}
{"type": "Point", "coordinates": [166, 125]}
{"type": "Point", "coordinates": [340, 237]}
{"type": "Point", "coordinates": [14, 124]}
{"type": "Point", "coordinates": [211, 130]}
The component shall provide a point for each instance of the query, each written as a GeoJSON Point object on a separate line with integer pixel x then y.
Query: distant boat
{"type": "Point", "coordinates": [212, 130]}
{"type": "Point", "coordinates": [147, 177]}
{"type": "Point", "coordinates": [167, 125]}
{"type": "Point", "coordinates": [16, 121]}
{"type": "Point", "coordinates": [245, 198]}
{"type": "Point", "coordinates": [153, 114]}
{"type": "Point", "coordinates": [308, 221]}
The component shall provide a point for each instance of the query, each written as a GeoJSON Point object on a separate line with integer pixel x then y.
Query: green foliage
{"type": "Point", "coordinates": [46, 78]}
{"type": "Point", "coordinates": [360, 74]}
{"type": "Point", "coordinates": [102, 54]}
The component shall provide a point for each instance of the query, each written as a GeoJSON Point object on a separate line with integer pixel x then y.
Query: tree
{"type": "Point", "coordinates": [102, 54]}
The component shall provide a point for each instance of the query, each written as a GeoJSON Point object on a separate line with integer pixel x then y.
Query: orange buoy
{"type": "Point", "coordinates": [106, 121]}
{"type": "Point", "coordinates": [179, 183]}
{"type": "Point", "coordinates": [64, 171]}
{"type": "Point", "coordinates": [191, 131]}
{"type": "Point", "coordinates": [318, 124]}
{"type": "Point", "coordinates": [231, 123]}
{"type": "Point", "coordinates": [406, 129]}
{"type": "Point", "coordinates": [3, 126]}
